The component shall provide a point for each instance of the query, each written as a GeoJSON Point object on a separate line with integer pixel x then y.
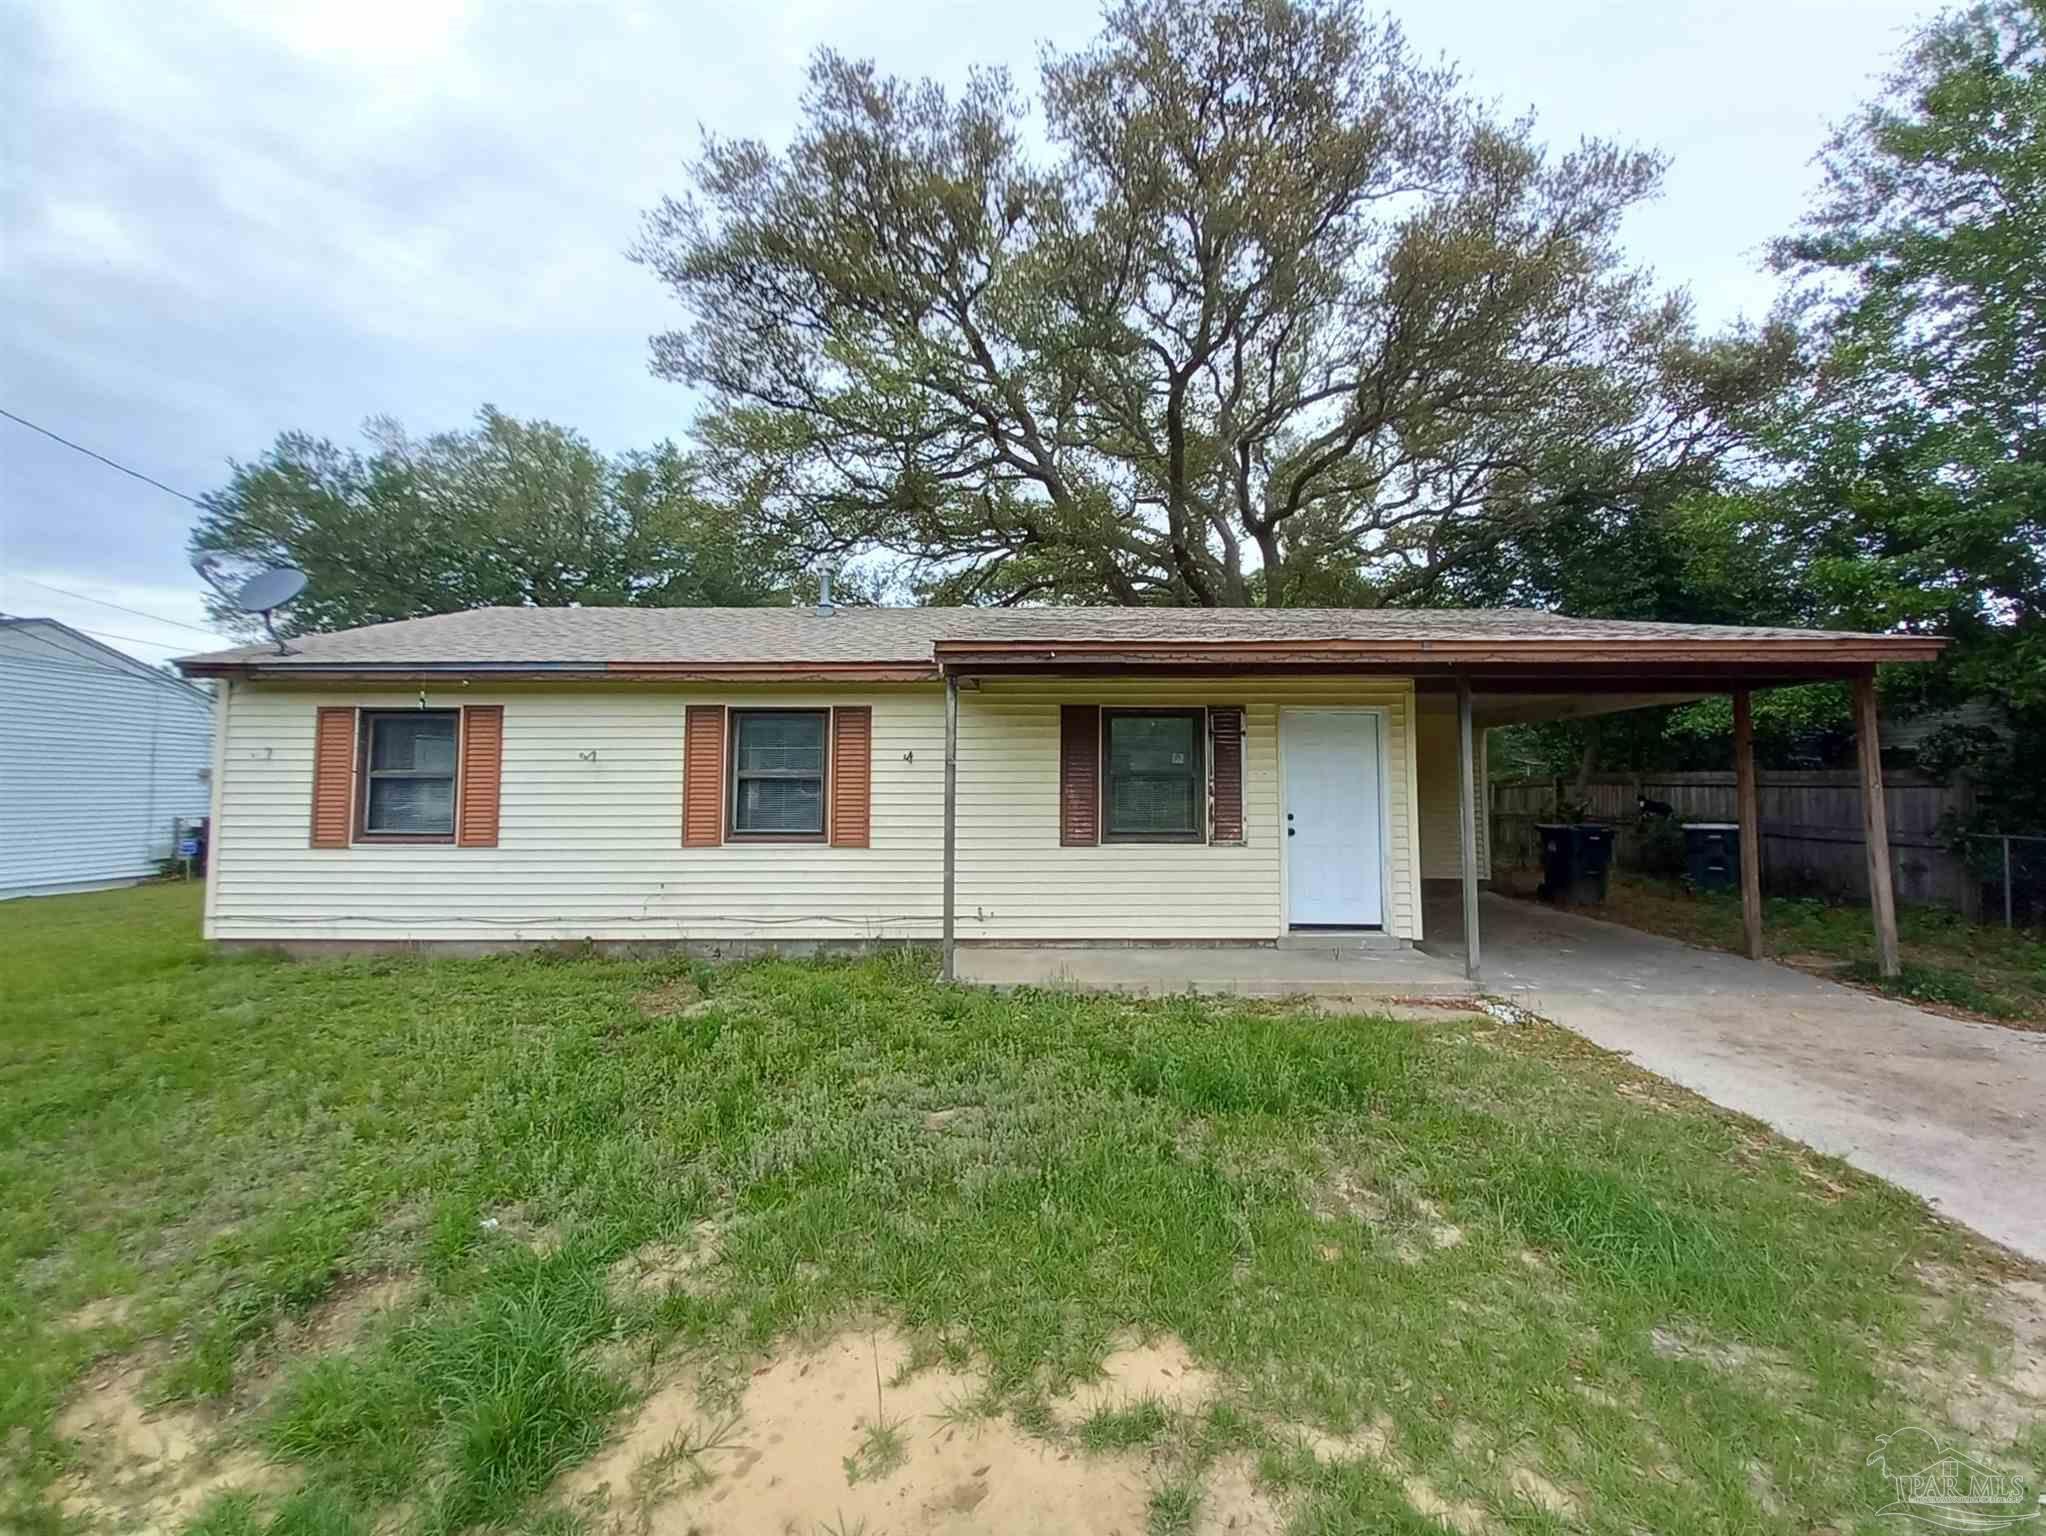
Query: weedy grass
{"type": "Point", "coordinates": [227, 1142]}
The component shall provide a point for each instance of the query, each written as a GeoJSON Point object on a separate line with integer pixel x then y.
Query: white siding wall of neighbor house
{"type": "Point", "coordinates": [98, 757]}
{"type": "Point", "coordinates": [1441, 836]}
{"type": "Point", "coordinates": [591, 828]}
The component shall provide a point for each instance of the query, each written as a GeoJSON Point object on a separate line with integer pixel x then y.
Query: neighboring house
{"type": "Point", "coordinates": [100, 754]}
{"type": "Point", "coordinates": [515, 775]}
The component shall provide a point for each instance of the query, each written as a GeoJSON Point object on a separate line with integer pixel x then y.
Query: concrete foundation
{"type": "Point", "coordinates": [1240, 970]}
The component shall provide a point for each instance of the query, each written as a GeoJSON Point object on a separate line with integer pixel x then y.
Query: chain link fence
{"type": "Point", "coordinates": [2010, 870]}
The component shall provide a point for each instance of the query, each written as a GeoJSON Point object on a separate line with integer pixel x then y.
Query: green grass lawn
{"type": "Point", "coordinates": [1977, 968]}
{"type": "Point", "coordinates": [1528, 1287]}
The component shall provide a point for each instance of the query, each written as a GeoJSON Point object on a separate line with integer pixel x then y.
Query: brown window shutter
{"type": "Point", "coordinates": [703, 776]}
{"type": "Point", "coordinates": [1225, 775]}
{"type": "Point", "coordinates": [333, 776]}
{"type": "Point", "coordinates": [852, 775]}
{"type": "Point", "coordinates": [482, 765]}
{"type": "Point", "coordinates": [1079, 775]}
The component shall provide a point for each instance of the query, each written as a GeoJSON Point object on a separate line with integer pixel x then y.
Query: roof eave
{"type": "Point", "coordinates": [1819, 651]}
{"type": "Point", "coordinates": [337, 673]}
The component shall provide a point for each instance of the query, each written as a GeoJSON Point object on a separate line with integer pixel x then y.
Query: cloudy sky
{"type": "Point", "coordinates": [219, 221]}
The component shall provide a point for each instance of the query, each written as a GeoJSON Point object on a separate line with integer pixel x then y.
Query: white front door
{"type": "Point", "coordinates": [1334, 860]}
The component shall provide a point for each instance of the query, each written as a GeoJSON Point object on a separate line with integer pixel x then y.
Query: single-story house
{"type": "Point", "coordinates": [101, 757]}
{"type": "Point", "coordinates": [967, 775]}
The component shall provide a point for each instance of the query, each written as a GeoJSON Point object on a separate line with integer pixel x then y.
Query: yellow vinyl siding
{"type": "Point", "coordinates": [1017, 882]}
{"type": "Point", "coordinates": [1435, 752]}
{"type": "Point", "coordinates": [590, 838]}
{"type": "Point", "coordinates": [588, 845]}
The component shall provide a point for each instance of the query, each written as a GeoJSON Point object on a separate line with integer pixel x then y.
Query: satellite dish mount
{"type": "Point", "coordinates": [267, 591]}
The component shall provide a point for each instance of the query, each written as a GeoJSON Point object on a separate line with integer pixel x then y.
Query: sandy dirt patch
{"type": "Point", "coordinates": [678, 996]}
{"type": "Point", "coordinates": [1461, 1516]}
{"type": "Point", "coordinates": [1371, 1443]}
{"type": "Point", "coordinates": [1732, 1357]}
{"type": "Point", "coordinates": [1995, 1410]}
{"type": "Point", "coordinates": [106, 1312]}
{"type": "Point", "coordinates": [796, 1455]}
{"type": "Point", "coordinates": [146, 1470]}
{"type": "Point", "coordinates": [1545, 1495]}
{"type": "Point", "coordinates": [658, 1268]}
{"type": "Point", "coordinates": [1161, 1370]}
{"type": "Point", "coordinates": [342, 1316]}
{"type": "Point", "coordinates": [1232, 1504]}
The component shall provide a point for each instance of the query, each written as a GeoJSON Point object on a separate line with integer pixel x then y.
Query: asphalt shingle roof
{"type": "Point", "coordinates": [599, 636]}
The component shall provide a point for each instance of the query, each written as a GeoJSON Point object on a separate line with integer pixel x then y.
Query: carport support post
{"type": "Point", "coordinates": [1875, 824]}
{"type": "Point", "coordinates": [1749, 813]}
{"type": "Point", "coordinates": [1467, 808]}
{"type": "Point", "coordinates": [951, 811]}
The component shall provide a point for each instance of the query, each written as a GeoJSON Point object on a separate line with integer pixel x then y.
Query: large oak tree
{"type": "Point", "coordinates": [1276, 313]}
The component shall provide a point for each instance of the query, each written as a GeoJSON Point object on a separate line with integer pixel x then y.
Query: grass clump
{"type": "Point", "coordinates": [1119, 1428]}
{"type": "Point", "coordinates": [1919, 982]}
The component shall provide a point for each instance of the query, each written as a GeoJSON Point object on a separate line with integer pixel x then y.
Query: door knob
{"type": "Point", "coordinates": [1289, 831]}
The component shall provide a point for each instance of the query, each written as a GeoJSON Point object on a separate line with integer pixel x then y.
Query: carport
{"type": "Point", "coordinates": [1549, 669]}
{"type": "Point", "coordinates": [1496, 699]}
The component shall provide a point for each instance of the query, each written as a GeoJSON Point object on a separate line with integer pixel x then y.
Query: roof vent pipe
{"type": "Point", "coordinates": [824, 590]}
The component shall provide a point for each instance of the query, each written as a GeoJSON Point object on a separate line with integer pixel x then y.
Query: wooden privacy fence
{"type": "Point", "coordinates": [1811, 827]}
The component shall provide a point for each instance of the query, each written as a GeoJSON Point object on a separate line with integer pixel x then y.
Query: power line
{"type": "Point", "coordinates": [155, 617]}
{"type": "Point", "coordinates": [110, 463]}
{"type": "Point", "coordinates": [73, 659]}
{"type": "Point", "coordinates": [130, 639]}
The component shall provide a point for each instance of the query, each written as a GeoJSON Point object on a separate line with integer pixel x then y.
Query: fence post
{"type": "Point", "coordinates": [2007, 922]}
{"type": "Point", "coordinates": [1875, 823]}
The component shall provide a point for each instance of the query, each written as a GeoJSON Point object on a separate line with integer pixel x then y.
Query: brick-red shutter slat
{"type": "Point", "coordinates": [703, 777]}
{"type": "Point", "coordinates": [482, 767]}
{"type": "Point", "coordinates": [333, 776]}
{"type": "Point", "coordinates": [1225, 759]}
{"type": "Point", "coordinates": [852, 775]}
{"type": "Point", "coordinates": [1079, 775]}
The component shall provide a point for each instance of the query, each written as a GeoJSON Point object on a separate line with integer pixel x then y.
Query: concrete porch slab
{"type": "Point", "coordinates": [1215, 970]}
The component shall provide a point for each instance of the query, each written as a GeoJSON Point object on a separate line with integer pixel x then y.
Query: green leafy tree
{"type": "Point", "coordinates": [1281, 315]}
{"type": "Point", "coordinates": [1919, 453]}
{"type": "Point", "coordinates": [510, 513]}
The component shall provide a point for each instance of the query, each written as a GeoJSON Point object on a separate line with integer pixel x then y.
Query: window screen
{"type": "Point", "coordinates": [1156, 788]}
{"type": "Point", "coordinates": [409, 777]}
{"type": "Point", "coordinates": [778, 771]}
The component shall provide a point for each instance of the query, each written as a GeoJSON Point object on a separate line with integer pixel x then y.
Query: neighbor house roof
{"type": "Point", "coordinates": [910, 643]}
{"type": "Point", "coordinates": [47, 642]}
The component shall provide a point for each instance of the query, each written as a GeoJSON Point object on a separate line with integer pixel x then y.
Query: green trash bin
{"type": "Point", "coordinates": [1712, 855]}
{"type": "Point", "coordinates": [1577, 858]}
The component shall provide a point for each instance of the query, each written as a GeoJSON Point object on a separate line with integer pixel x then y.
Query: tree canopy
{"type": "Point", "coordinates": [511, 512]}
{"type": "Point", "coordinates": [1279, 312]}
{"type": "Point", "coordinates": [1916, 492]}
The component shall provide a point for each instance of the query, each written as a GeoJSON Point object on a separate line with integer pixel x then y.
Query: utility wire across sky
{"type": "Point", "coordinates": [119, 608]}
{"type": "Point", "coordinates": [90, 454]}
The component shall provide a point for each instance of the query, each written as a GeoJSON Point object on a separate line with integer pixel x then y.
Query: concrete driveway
{"type": "Point", "coordinates": [1955, 1112]}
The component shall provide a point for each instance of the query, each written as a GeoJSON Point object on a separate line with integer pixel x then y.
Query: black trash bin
{"type": "Point", "coordinates": [1577, 856]}
{"type": "Point", "coordinates": [1712, 855]}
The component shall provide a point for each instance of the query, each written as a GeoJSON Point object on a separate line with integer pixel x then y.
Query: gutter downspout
{"type": "Point", "coordinates": [949, 972]}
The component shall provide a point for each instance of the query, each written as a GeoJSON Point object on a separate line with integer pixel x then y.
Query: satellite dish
{"type": "Point", "coordinates": [267, 591]}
